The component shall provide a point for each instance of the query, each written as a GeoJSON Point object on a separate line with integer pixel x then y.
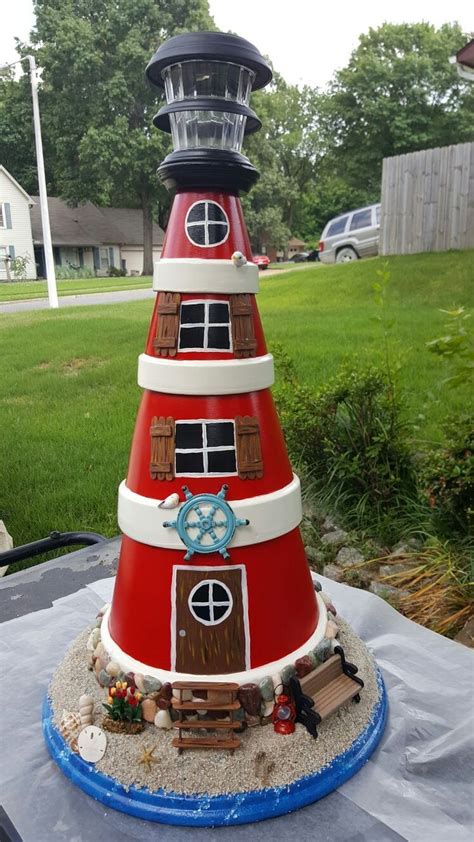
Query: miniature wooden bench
{"type": "Point", "coordinates": [221, 698]}
{"type": "Point", "coordinates": [325, 689]}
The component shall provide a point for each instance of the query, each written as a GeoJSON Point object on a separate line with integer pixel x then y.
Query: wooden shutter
{"type": "Point", "coordinates": [165, 342]}
{"type": "Point", "coordinates": [162, 448]}
{"type": "Point", "coordinates": [249, 451]}
{"type": "Point", "coordinates": [243, 333]}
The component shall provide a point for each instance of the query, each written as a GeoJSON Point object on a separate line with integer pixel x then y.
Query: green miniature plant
{"type": "Point", "coordinates": [457, 347]}
{"type": "Point", "coordinates": [124, 703]}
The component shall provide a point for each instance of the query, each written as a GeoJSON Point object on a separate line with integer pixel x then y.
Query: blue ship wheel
{"type": "Point", "coordinates": [206, 523]}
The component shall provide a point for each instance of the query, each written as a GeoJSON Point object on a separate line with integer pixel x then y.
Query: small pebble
{"type": "Point", "coordinates": [112, 669]}
{"type": "Point", "coordinates": [140, 682]}
{"type": "Point", "coordinates": [104, 678]}
{"type": "Point", "coordinates": [149, 710]}
{"type": "Point", "coordinates": [322, 650]}
{"type": "Point", "coordinates": [303, 666]}
{"type": "Point", "coordinates": [287, 673]}
{"type": "Point", "coordinates": [266, 688]}
{"type": "Point", "coordinates": [163, 719]}
{"type": "Point", "coordinates": [332, 630]}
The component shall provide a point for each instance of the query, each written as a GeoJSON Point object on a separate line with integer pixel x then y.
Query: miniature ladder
{"type": "Point", "coordinates": [225, 702]}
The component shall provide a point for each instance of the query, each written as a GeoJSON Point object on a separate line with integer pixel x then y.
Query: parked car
{"type": "Point", "coordinates": [350, 236]}
{"type": "Point", "coordinates": [261, 260]}
{"type": "Point", "coordinates": [299, 257]}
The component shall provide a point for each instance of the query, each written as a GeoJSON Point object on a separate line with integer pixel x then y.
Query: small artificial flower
{"type": "Point", "coordinates": [113, 691]}
{"type": "Point", "coordinates": [138, 696]}
{"type": "Point", "coordinates": [132, 701]}
{"type": "Point", "coordinates": [110, 700]}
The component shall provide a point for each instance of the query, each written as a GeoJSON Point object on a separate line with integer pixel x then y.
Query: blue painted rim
{"type": "Point", "coordinates": [217, 810]}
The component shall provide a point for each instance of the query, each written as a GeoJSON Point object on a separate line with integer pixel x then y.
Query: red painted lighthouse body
{"type": "Point", "coordinates": [212, 579]}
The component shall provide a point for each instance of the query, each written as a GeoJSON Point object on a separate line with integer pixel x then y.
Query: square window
{"type": "Point", "coordinates": [218, 337]}
{"type": "Point", "coordinates": [221, 461]}
{"type": "Point", "coordinates": [192, 314]}
{"type": "Point", "coordinates": [220, 435]}
{"type": "Point", "coordinates": [196, 213]}
{"type": "Point", "coordinates": [189, 463]}
{"type": "Point", "coordinates": [216, 232]}
{"type": "Point", "coordinates": [218, 313]}
{"type": "Point", "coordinates": [198, 234]}
{"type": "Point", "coordinates": [188, 436]}
{"type": "Point", "coordinates": [191, 337]}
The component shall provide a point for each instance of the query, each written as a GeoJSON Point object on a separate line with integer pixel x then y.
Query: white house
{"type": "Point", "coordinates": [15, 226]}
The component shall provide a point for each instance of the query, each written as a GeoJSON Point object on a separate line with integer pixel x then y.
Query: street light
{"type": "Point", "coordinates": [47, 244]}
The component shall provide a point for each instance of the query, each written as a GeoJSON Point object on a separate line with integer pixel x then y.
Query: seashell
{"type": "Point", "coordinates": [86, 710]}
{"type": "Point", "coordinates": [93, 640]}
{"type": "Point", "coordinates": [92, 744]}
{"type": "Point", "coordinates": [169, 502]}
{"type": "Point", "coordinates": [70, 725]}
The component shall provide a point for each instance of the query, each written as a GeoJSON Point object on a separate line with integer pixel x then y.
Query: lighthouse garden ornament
{"type": "Point", "coordinates": [216, 630]}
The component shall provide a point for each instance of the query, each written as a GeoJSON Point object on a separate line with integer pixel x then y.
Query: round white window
{"type": "Point", "coordinates": [206, 224]}
{"type": "Point", "coordinates": [210, 602]}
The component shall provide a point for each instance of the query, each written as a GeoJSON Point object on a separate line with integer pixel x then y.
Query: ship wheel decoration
{"type": "Point", "coordinates": [206, 523]}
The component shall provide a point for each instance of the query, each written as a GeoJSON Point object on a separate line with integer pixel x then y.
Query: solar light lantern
{"type": "Point", "coordinates": [207, 78]}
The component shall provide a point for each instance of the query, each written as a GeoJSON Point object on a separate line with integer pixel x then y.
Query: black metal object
{"type": "Point", "coordinates": [54, 541]}
{"type": "Point", "coordinates": [305, 712]}
{"type": "Point", "coordinates": [206, 103]}
{"type": "Point", "coordinates": [348, 668]}
{"type": "Point", "coordinates": [218, 169]}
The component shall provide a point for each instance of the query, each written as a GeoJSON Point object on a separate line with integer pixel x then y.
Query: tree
{"type": "Point", "coordinates": [399, 93]}
{"type": "Point", "coordinates": [97, 107]}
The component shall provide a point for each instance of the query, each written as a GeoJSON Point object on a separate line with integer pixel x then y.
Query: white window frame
{"type": "Point", "coordinates": [107, 257]}
{"type": "Point", "coordinates": [3, 218]}
{"type": "Point", "coordinates": [206, 324]}
{"type": "Point", "coordinates": [206, 222]}
{"type": "Point", "coordinates": [205, 450]}
{"type": "Point", "coordinates": [229, 603]}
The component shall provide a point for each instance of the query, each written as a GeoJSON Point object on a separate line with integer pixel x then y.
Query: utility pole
{"type": "Point", "coordinates": [45, 224]}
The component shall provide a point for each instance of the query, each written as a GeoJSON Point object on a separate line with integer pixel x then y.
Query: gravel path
{"type": "Point", "coordinates": [264, 758]}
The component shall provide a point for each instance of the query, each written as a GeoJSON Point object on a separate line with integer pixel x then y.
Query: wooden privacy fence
{"type": "Point", "coordinates": [428, 200]}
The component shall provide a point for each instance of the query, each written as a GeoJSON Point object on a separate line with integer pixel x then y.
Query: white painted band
{"type": "Point", "coordinates": [270, 516]}
{"type": "Point", "coordinates": [205, 377]}
{"type": "Point", "coordinates": [195, 274]}
{"type": "Point", "coordinates": [128, 664]}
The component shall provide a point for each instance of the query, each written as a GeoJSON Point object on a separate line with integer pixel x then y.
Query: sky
{"type": "Point", "coordinates": [306, 40]}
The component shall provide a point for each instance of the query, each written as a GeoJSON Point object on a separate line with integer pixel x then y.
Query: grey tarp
{"type": "Point", "coordinates": [417, 786]}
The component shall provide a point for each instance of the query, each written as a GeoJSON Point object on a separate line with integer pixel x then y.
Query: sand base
{"type": "Point", "coordinates": [265, 762]}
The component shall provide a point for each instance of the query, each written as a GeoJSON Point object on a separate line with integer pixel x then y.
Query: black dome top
{"type": "Point", "coordinates": [213, 46]}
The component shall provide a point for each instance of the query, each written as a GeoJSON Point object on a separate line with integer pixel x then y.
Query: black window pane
{"type": "Point", "coordinates": [221, 461]}
{"type": "Point", "coordinates": [202, 611]}
{"type": "Point", "coordinates": [191, 337]}
{"type": "Point", "coordinates": [201, 594]}
{"type": "Point", "coordinates": [219, 611]}
{"type": "Point", "coordinates": [188, 435]}
{"type": "Point", "coordinates": [197, 213]}
{"type": "Point", "coordinates": [219, 435]}
{"type": "Point", "coordinates": [361, 219]}
{"type": "Point", "coordinates": [217, 232]}
{"type": "Point", "coordinates": [189, 463]}
{"type": "Point", "coordinates": [219, 594]}
{"type": "Point", "coordinates": [197, 234]}
{"type": "Point", "coordinates": [337, 227]}
{"type": "Point", "coordinates": [192, 314]}
{"type": "Point", "coordinates": [215, 213]}
{"type": "Point", "coordinates": [218, 313]}
{"type": "Point", "coordinates": [218, 337]}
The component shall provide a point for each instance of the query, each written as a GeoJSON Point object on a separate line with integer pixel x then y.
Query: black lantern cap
{"type": "Point", "coordinates": [210, 46]}
{"type": "Point", "coordinates": [162, 119]}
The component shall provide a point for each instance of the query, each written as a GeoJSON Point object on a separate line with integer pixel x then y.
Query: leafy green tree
{"type": "Point", "coordinates": [97, 107]}
{"type": "Point", "coordinates": [398, 93]}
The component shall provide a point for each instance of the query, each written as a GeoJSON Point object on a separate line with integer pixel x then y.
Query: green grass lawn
{"type": "Point", "coordinates": [69, 396]}
{"type": "Point", "coordinates": [24, 290]}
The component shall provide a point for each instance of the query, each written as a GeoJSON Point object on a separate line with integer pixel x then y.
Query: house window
{"type": "Point", "coordinates": [210, 602]}
{"type": "Point", "coordinates": [206, 224]}
{"type": "Point", "coordinates": [205, 326]}
{"type": "Point", "coordinates": [3, 217]}
{"type": "Point", "coordinates": [205, 447]}
{"type": "Point", "coordinates": [104, 258]}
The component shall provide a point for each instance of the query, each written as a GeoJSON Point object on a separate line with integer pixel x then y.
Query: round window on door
{"type": "Point", "coordinates": [207, 224]}
{"type": "Point", "coordinates": [210, 602]}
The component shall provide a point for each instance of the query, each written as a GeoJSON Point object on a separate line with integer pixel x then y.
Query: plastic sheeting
{"type": "Point", "coordinates": [417, 786]}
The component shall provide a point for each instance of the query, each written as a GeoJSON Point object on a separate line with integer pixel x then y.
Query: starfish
{"type": "Point", "coordinates": [147, 757]}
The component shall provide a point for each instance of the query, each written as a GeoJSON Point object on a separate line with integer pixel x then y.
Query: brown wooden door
{"type": "Point", "coordinates": [210, 622]}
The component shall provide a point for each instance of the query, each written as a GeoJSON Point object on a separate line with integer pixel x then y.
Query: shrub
{"type": "Point", "coordinates": [351, 438]}
{"type": "Point", "coordinates": [69, 273]}
{"type": "Point", "coordinates": [116, 272]}
{"type": "Point", "coordinates": [448, 478]}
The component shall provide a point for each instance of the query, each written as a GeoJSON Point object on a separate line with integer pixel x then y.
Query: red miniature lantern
{"type": "Point", "coordinates": [284, 715]}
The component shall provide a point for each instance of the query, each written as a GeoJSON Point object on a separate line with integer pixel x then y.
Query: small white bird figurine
{"type": "Point", "coordinates": [238, 259]}
{"type": "Point", "coordinates": [169, 502]}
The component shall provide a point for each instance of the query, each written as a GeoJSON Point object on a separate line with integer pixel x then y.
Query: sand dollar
{"type": "Point", "coordinates": [92, 743]}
